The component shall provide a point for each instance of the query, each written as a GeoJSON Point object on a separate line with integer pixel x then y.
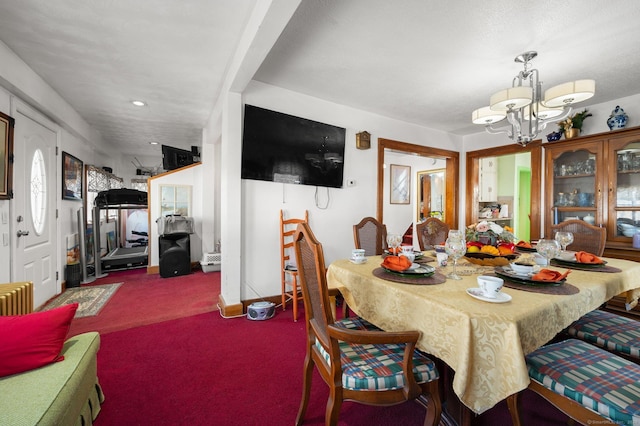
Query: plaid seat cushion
{"type": "Point", "coordinates": [377, 367]}
{"type": "Point", "coordinates": [614, 332]}
{"type": "Point", "coordinates": [599, 380]}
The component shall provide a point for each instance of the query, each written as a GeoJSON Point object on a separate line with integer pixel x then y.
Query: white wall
{"type": "Point", "coordinates": [333, 224]}
{"type": "Point", "coordinates": [191, 176]}
{"type": "Point", "coordinates": [5, 228]}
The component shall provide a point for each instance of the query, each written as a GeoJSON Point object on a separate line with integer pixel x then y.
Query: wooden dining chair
{"type": "Point", "coordinates": [588, 384]}
{"type": "Point", "coordinates": [358, 361]}
{"type": "Point", "coordinates": [586, 237]}
{"type": "Point", "coordinates": [431, 232]}
{"type": "Point", "coordinates": [612, 332]}
{"type": "Point", "coordinates": [371, 235]}
{"type": "Point", "coordinates": [288, 268]}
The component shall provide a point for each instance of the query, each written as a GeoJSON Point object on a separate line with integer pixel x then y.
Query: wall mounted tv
{"type": "Point", "coordinates": [174, 158]}
{"type": "Point", "coordinates": [283, 148]}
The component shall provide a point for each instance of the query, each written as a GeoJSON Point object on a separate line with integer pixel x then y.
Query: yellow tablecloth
{"type": "Point", "coordinates": [484, 343]}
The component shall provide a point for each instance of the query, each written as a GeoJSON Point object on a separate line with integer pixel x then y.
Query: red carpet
{"type": "Point", "coordinates": [147, 299]}
{"type": "Point", "coordinates": [206, 370]}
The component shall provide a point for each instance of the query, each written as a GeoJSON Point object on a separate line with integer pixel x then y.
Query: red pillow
{"type": "Point", "coordinates": [33, 340]}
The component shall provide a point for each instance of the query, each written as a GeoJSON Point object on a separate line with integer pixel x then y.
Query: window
{"type": "Point", "coordinates": [38, 192]}
{"type": "Point", "coordinates": [139, 184]}
{"type": "Point", "coordinates": [176, 199]}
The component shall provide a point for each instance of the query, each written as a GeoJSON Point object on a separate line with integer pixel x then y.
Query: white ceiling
{"type": "Point", "coordinates": [421, 61]}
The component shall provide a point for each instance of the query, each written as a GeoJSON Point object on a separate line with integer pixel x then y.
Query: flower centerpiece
{"type": "Point", "coordinates": [489, 238]}
{"type": "Point", "coordinates": [571, 126]}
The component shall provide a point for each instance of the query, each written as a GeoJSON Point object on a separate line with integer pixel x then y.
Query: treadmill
{"type": "Point", "coordinates": [120, 257]}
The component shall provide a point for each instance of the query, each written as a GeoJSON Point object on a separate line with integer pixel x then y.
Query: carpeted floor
{"type": "Point", "coordinates": [147, 299]}
{"type": "Point", "coordinates": [90, 300]}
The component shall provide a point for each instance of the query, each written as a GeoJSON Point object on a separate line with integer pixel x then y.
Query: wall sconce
{"type": "Point", "coordinates": [363, 140]}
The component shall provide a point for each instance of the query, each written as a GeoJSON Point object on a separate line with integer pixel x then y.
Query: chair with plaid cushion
{"type": "Point", "coordinates": [590, 385]}
{"type": "Point", "coordinates": [358, 361]}
{"type": "Point", "coordinates": [612, 332]}
{"type": "Point", "coordinates": [370, 235]}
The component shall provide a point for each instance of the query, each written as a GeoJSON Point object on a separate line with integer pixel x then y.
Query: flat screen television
{"type": "Point", "coordinates": [283, 148]}
{"type": "Point", "coordinates": [174, 158]}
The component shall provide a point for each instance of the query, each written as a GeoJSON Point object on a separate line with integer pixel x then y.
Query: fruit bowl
{"type": "Point", "coordinates": [485, 259]}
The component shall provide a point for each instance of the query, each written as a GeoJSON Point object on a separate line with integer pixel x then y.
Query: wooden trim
{"type": "Point", "coordinates": [452, 175]}
{"type": "Point", "coordinates": [229, 310]}
{"type": "Point", "coordinates": [472, 192]}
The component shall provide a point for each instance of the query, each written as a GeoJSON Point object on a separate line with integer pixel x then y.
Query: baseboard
{"type": "Point", "coordinates": [155, 269]}
{"type": "Point", "coordinates": [230, 310]}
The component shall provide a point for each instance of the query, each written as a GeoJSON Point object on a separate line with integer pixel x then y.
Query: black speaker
{"type": "Point", "coordinates": [175, 255]}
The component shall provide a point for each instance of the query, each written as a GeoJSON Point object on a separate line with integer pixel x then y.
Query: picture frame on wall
{"type": "Point", "coordinates": [72, 176]}
{"type": "Point", "coordinates": [400, 184]}
{"type": "Point", "coordinates": [6, 156]}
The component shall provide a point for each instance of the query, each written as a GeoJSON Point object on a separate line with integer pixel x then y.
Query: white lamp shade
{"type": "Point", "coordinates": [544, 112]}
{"type": "Point", "coordinates": [486, 115]}
{"type": "Point", "coordinates": [512, 98]}
{"type": "Point", "coordinates": [569, 93]}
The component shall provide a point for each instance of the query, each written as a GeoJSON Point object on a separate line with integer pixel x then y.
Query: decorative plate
{"type": "Point", "coordinates": [416, 270]}
{"type": "Point", "coordinates": [521, 279]}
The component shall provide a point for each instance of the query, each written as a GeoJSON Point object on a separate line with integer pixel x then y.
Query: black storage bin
{"type": "Point", "coordinates": [73, 275]}
{"type": "Point", "coordinates": [175, 255]}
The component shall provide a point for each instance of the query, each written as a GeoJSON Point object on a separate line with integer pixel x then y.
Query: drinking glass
{"type": "Point", "coordinates": [564, 238]}
{"type": "Point", "coordinates": [455, 247]}
{"type": "Point", "coordinates": [548, 248]}
{"type": "Point", "coordinates": [456, 233]}
{"type": "Point", "coordinates": [394, 241]}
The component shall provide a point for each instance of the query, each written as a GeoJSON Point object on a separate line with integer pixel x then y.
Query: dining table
{"type": "Point", "coordinates": [485, 341]}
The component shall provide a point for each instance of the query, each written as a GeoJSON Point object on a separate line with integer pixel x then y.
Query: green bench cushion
{"type": "Point", "coordinates": [62, 393]}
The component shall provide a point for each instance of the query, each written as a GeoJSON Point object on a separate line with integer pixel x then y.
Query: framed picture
{"type": "Point", "coordinates": [400, 184]}
{"type": "Point", "coordinates": [71, 177]}
{"type": "Point", "coordinates": [6, 156]}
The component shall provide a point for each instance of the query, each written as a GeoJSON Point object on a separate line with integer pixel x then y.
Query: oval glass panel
{"type": "Point", "coordinates": [38, 191]}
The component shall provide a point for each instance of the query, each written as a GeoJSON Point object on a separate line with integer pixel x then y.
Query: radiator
{"type": "Point", "coordinates": [16, 298]}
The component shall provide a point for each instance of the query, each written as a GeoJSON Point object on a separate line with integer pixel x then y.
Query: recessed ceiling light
{"type": "Point", "coordinates": [139, 103]}
{"type": "Point", "coordinates": [153, 143]}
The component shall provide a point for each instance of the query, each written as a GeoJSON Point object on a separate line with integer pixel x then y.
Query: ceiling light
{"type": "Point", "coordinates": [139, 103]}
{"type": "Point", "coordinates": [153, 143]}
{"type": "Point", "coordinates": [522, 104]}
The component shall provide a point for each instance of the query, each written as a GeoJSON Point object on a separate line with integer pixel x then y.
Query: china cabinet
{"type": "Point", "coordinates": [489, 179]}
{"type": "Point", "coordinates": [596, 178]}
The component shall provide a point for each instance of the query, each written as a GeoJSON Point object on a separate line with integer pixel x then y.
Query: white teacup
{"type": "Point", "coordinates": [490, 286]}
{"type": "Point", "coordinates": [408, 252]}
{"type": "Point", "coordinates": [357, 255]}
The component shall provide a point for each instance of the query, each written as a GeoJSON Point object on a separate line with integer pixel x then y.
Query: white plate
{"type": "Point", "coordinates": [476, 293]}
{"type": "Point", "coordinates": [358, 262]}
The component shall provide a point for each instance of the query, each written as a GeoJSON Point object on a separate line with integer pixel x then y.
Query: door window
{"type": "Point", "coordinates": [38, 192]}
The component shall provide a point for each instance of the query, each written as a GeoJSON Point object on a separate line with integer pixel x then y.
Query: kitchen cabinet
{"type": "Point", "coordinates": [488, 179]}
{"type": "Point", "coordinates": [596, 178]}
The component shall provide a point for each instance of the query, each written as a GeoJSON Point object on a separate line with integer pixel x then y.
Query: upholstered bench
{"type": "Point", "coordinates": [585, 382]}
{"type": "Point", "coordinates": [609, 331]}
{"type": "Point", "coordinates": [61, 393]}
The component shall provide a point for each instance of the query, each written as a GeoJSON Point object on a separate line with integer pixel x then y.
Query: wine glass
{"type": "Point", "coordinates": [394, 241]}
{"type": "Point", "coordinates": [548, 248]}
{"type": "Point", "coordinates": [564, 238]}
{"type": "Point", "coordinates": [456, 247]}
{"type": "Point", "coordinates": [456, 233]}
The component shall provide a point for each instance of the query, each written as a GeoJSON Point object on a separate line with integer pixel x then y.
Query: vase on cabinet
{"type": "Point", "coordinates": [618, 119]}
{"type": "Point", "coordinates": [571, 133]}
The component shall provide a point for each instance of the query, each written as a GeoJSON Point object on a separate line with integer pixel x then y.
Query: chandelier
{"type": "Point", "coordinates": [526, 111]}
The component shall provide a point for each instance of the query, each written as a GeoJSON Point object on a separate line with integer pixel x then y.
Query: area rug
{"type": "Point", "coordinates": [91, 299]}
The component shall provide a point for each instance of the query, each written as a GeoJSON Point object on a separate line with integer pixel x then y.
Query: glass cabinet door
{"type": "Point", "coordinates": [624, 190]}
{"type": "Point", "coordinates": [575, 186]}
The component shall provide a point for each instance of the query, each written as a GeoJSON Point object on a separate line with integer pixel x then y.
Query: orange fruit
{"type": "Point", "coordinates": [505, 250]}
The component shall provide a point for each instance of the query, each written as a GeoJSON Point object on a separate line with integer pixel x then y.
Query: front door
{"type": "Point", "coordinates": [34, 205]}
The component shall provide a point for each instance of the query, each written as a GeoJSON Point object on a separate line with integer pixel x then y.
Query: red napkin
{"type": "Point", "coordinates": [397, 263]}
{"type": "Point", "coordinates": [550, 275]}
{"type": "Point", "coordinates": [585, 257]}
{"type": "Point", "coordinates": [524, 244]}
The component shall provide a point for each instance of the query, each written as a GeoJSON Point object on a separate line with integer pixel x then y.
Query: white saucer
{"type": "Point", "coordinates": [358, 262]}
{"type": "Point", "coordinates": [476, 293]}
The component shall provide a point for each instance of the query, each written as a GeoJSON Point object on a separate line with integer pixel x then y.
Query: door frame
{"type": "Point", "coordinates": [451, 175]}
